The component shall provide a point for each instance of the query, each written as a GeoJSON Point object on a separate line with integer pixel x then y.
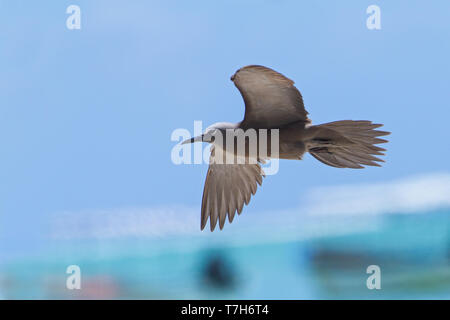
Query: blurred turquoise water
{"type": "Point", "coordinates": [412, 251]}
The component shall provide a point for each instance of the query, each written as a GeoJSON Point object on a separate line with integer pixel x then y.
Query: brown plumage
{"type": "Point", "coordinates": [273, 102]}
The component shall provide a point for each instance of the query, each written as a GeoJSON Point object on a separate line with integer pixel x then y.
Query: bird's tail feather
{"type": "Point", "coordinates": [347, 144]}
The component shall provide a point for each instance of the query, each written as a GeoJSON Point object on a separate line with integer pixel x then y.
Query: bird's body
{"type": "Point", "coordinates": [273, 103]}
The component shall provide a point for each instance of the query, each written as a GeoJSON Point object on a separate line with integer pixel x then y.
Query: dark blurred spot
{"type": "Point", "coordinates": [218, 272]}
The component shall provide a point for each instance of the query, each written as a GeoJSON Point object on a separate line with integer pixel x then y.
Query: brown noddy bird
{"type": "Point", "coordinates": [273, 102]}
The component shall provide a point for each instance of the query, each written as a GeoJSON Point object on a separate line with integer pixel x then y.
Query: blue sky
{"type": "Point", "coordinates": [86, 115]}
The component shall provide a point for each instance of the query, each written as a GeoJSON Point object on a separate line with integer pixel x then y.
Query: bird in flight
{"type": "Point", "coordinates": [273, 102]}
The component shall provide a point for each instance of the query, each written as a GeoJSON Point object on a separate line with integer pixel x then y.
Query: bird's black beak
{"type": "Point", "coordinates": [192, 140]}
{"type": "Point", "coordinates": [232, 77]}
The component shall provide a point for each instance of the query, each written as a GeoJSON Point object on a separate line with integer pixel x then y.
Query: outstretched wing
{"type": "Point", "coordinates": [227, 188]}
{"type": "Point", "coordinates": [271, 100]}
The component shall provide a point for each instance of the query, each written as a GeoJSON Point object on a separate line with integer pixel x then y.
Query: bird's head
{"type": "Point", "coordinates": [211, 132]}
